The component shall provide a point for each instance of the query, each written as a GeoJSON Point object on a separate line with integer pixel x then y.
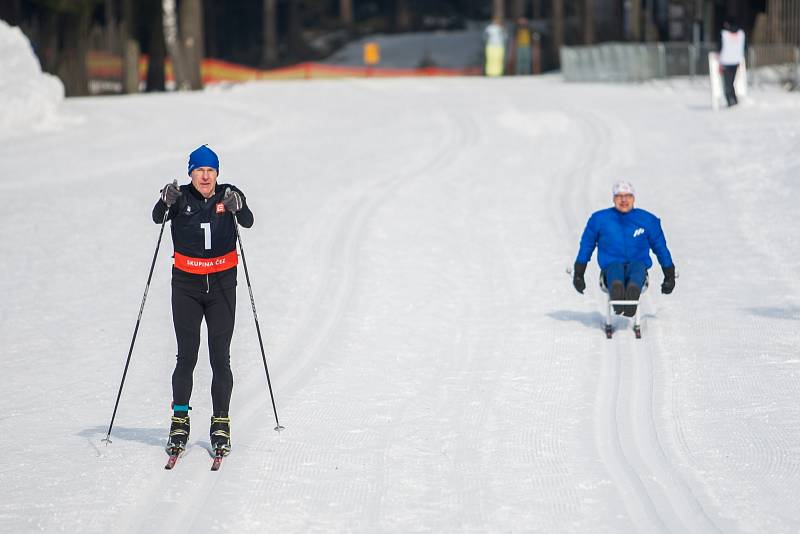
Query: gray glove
{"type": "Point", "coordinates": [170, 193]}
{"type": "Point", "coordinates": [232, 201]}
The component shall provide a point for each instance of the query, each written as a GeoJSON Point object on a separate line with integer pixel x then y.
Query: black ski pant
{"type": "Point", "coordinates": [190, 304]}
{"type": "Point", "coordinates": [729, 75]}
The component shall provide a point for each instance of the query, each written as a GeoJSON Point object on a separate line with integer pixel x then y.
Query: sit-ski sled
{"type": "Point", "coordinates": [637, 320]}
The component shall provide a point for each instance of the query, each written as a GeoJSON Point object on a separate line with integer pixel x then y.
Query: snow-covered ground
{"type": "Point", "coordinates": [433, 367]}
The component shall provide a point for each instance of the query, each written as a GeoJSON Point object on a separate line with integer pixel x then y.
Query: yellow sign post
{"type": "Point", "coordinates": [372, 55]}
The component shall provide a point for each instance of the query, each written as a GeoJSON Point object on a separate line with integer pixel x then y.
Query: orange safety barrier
{"type": "Point", "coordinates": [105, 66]}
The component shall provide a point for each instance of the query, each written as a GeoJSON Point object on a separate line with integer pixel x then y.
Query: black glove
{"type": "Point", "coordinates": [170, 193]}
{"type": "Point", "coordinates": [669, 280]}
{"type": "Point", "coordinates": [577, 277]}
{"type": "Point", "coordinates": [232, 201]}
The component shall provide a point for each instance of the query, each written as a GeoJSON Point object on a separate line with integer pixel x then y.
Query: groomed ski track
{"type": "Point", "coordinates": [433, 367]}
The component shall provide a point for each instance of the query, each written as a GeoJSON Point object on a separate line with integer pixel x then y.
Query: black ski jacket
{"type": "Point", "coordinates": [203, 236]}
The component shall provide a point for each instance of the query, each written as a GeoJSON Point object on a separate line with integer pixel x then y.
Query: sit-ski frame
{"type": "Point", "coordinates": [637, 321]}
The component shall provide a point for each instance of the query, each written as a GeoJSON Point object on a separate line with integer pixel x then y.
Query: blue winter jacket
{"type": "Point", "coordinates": [624, 238]}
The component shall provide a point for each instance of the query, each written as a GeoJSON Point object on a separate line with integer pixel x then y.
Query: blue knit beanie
{"type": "Point", "coordinates": [203, 157]}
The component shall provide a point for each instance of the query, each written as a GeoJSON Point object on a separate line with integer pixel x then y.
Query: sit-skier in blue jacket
{"type": "Point", "coordinates": [624, 236]}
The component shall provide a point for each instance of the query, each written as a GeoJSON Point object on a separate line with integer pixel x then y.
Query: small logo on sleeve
{"type": "Point", "coordinates": [638, 232]}
{"type": "Point", "coordinates": [220, 207]}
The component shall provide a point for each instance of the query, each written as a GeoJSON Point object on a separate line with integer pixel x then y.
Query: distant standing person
{"type": "Point", "coordinates": [522, 47]}
{"type": "Point", "coordinates": [495, 38]}
{"type": "Point", "coordinates": [731, 54]}
{"type": "Point", "coordinates": [203, 287]}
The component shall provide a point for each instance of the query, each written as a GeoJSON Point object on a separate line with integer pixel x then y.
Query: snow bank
{"type": "Point", "coordinates": [30, 98]}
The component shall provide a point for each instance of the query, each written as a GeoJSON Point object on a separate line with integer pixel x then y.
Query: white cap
{"type": "Point", "coordinates": [623, 188]}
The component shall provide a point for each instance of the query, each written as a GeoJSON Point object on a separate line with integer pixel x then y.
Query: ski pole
{"type": "Point", "coordinates": [278, 428]}
{"type": "Point", "coordinates": [107, 439]}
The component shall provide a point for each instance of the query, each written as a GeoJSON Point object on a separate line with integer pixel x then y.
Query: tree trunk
{"type": "Point", "coordinates": [402, 15]}
{"type": "Point", "coordinates": [269, 41]}
{"type": "Point", "coordinates": [130, 49]}
{"type": "Point", "coordinates": [11, 11]}
{"type": "Point", "coordinates": [72, 61]}
{"type": "Point", "coordinates": [618, 17]}
{"type": "Point", "coordinates": [191, 17]}
{"type": "Point", "coordinates": [519, 9]}
{"type": "Point", "coordinates": [558, 25]}
{"type": "Point", "coordinates": [49, 45]}
{"type": "Point", "coordinates": [155, 67]}
{"type": "Point", "coordinates": [174, 48]}
{"type": "Point", "coordinates": [112, 44]}
{"type": "Point", "coordinates": [650, 28]}
{"type": "Point", "coordinates": [635, 20]}
{"type": "Point", "coordinates": [346, 13]}
{"type": "Point", "coordinates": [499, 10]}
{"type": "Point", "coordinates": [588, 21]}
{"type": "Point", "coordinates": [295, 28]}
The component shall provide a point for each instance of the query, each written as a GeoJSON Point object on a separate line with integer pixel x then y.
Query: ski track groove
{"type": "Point", "coordinates": [464, 134]}
{"type": "Point", "coordinates": [670, 468]}
{"type": "Point", "coordinates": [677, 505]}
{"type": "Point", "coordinates": [303, 351]}
{"type": "Point", "coordinates": [656, 496]}
{"type": "Point", "coordinates": [551, 371]}
{"type": "Point", "coordinates": [607, 432]}
{"type": "Point", "coordinates": [619, 401]}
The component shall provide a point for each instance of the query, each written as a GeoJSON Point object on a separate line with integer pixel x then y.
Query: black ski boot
{"type": "Point", "coordinates": [618, 293]}
{"type": "Point", "coordinates": [221, 435]}
{"type": "Point", "coordinates": [178, 435]}
{"type": "Point", "coordinates": [632, 292]}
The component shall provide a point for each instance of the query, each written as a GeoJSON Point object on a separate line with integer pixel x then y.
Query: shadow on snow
{"type": "Point", "coordinates": [774, 312]}
{"type": "Point", "coordinates": [590, 319]}
{"type": "Point", "coordinates": [156, 437]}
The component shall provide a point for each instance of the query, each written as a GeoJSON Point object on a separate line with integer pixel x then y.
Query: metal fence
{"type": "Point", "coordinates": [638, 62]}
{"type": "Point", "coordinates": [783, 22]}
{"type": "Point", "coordinates": [774, 64]}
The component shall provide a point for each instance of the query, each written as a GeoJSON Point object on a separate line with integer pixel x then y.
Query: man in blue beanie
{"type": "Point", "coordinates": [203, 287]}
{"type": "Point", "coordinates": [624, 236]}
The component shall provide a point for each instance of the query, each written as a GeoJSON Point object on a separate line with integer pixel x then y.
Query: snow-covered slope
{"type": "Point", "coordinates": [433, 367]}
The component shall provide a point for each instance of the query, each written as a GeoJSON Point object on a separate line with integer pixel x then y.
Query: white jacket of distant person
{"type": "Point", "coordinates": [495, 34]}
{"type": "Point", "coordinates": [732, 50]}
